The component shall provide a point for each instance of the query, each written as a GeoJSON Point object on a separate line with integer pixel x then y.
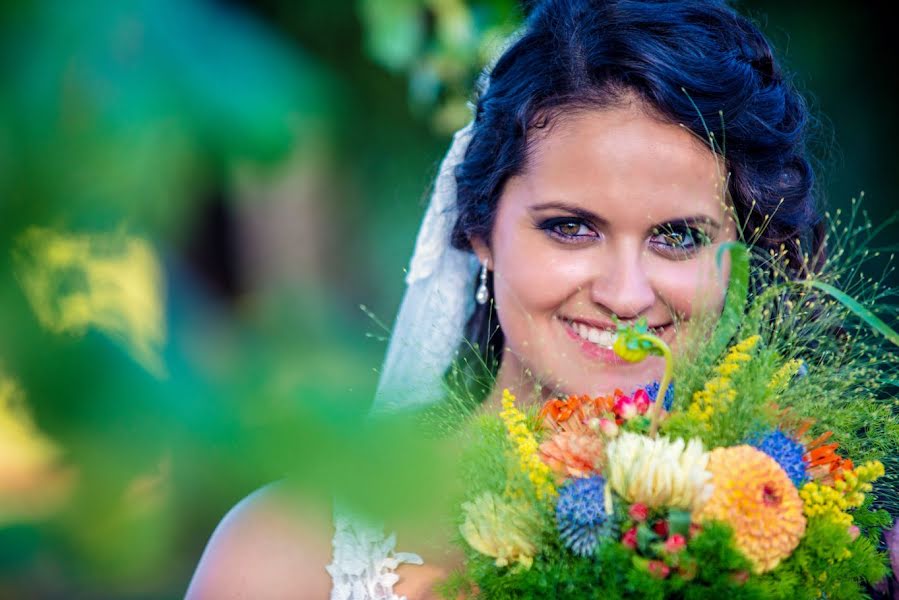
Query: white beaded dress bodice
{"type": "Point", "coordinates": [364, 561]}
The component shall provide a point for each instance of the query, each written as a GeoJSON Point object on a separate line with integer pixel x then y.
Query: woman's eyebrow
{"type": "Point", "coordinates": [571, 208]}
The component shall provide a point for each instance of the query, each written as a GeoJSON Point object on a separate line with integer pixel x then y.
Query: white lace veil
{"type": "Point", "coordinates": [438, 302]}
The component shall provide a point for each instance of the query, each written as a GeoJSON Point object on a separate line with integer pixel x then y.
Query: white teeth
{"type": "Point", "coordinates": [607, 338]}
{"type": "Point", "coordinates": [601, 337]}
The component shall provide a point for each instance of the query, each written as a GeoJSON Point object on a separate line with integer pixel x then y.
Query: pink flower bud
{"type": "Point", "coordinates": [608, 427]}
{"type": "Point", "coordinates": [675, 543]}
{"type": "Point", "coordinates": [658, 569]}
{"type": "Point", "coordinates": [641, 401]}
{"type": "Point", "coordinates": [630, 538]}
{"type": "Point", "coordinates": [854, 532]}
{"type": "Point", "coordinates": [625, 408]}
{"type": "Point", "coordinates": [638, 512]}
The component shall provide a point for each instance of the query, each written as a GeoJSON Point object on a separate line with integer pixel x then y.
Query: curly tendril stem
{"type": "Point", "coordinates": [634, 343]}
{"type": "Point", "coordinates": [663, 384]}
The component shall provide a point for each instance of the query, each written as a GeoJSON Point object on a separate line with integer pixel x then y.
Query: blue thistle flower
{"type": "Point", "coordinates": [788, 453]}
{"type": "Point", "coordinates": [653, 388]}
{"type": "Point", "coordinates": [581, 514]}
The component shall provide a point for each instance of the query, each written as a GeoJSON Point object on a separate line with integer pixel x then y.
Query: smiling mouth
{"type": "Point", "coordinates": [603, 337]}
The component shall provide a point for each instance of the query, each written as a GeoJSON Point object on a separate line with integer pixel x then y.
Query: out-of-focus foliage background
{"type": "Point", "coordinates": [196, 197]}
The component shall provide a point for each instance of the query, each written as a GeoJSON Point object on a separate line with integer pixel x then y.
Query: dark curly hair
{"type": "Point", "coordinates": [694, 62]}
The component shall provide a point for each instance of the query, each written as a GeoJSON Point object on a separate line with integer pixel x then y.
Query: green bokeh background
{"type": "Point", "coordinates": [277, 154]}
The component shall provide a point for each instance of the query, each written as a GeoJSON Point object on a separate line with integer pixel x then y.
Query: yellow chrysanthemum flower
{"type": "Point", "coordinates": [526, 448]}
{"type": "Point", "coordinates": [497, 528]}
{"type": "Point", "coordinates": [657, 472]}
{"type": "Point", "coordinates": [754, 495]}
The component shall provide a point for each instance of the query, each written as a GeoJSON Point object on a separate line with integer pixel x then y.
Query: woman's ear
{"type": "Point", "coordinates": [481, 250]}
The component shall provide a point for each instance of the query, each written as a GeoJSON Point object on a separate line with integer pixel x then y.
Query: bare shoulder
{"type": "Point", "coordinates": [270, 545]}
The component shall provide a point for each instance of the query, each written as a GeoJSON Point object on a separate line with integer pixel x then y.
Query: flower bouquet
{"type": "Point", "coordinates": [754, 478]}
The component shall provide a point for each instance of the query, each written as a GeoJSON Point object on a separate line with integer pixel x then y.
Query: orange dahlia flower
{"type": "Point", "coordinates": [754, 495]}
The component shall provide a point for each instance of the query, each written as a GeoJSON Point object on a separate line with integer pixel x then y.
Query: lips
{"type": "Point", "coordinates": [595, 343]}
{"type": "Point", "coordinates": [603, 334]}
{"type": "Point", "coordinates": [602, 337]}
{"type": "Point", "coordinates": [592, 351]}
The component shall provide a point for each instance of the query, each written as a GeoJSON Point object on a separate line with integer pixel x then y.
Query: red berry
{"type": "Point", "coordinates": [638, 512]}
{"type": "Point", "coordinates": [661, 527]}
{"type": "Point", "coordinates": [630, 538]}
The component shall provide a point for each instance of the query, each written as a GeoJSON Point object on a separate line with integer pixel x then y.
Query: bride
{"type": "Point", "coordinates": [615, 145]}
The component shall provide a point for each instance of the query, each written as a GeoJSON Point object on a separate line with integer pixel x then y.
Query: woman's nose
{"type": "Point", "coordinates": [622, 285]}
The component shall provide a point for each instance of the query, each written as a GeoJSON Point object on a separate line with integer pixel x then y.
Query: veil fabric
{"type": "Point", "coordinates": [424, 341]}
{"type": "Point", "coordinates": [438, 301]}
{"type": "Point", "coordinates": [429, 328]}
{"type": "Point", "coordinates": [439, 298]}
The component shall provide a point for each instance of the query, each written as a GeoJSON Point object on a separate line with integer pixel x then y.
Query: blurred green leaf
{"type": "Point", "coordinates": [395, 31]}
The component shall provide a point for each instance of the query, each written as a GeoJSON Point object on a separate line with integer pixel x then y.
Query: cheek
{"type": "Point", "coordinates": [529, 281]}
{"type": "Point", "coordinates": [532, 281]}
{"type": "Point", "coordinates": [694, 286]}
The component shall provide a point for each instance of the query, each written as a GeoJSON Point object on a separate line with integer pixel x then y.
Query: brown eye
{"type": "Point", "coordinates": [673, 239]}
{"type": "Point", "coordinates": [569, 228]}
{"type": "Point", "coordinates": [679, 240]}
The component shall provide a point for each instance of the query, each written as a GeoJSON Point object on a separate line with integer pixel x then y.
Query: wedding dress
{"type": "Point", "coordinates": [364, 561]}
{"type": "Point", "coordinates": [429, 327]}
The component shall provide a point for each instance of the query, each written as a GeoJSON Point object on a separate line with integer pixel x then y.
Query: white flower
{"type": "Point", "coordinates": [658, 472]}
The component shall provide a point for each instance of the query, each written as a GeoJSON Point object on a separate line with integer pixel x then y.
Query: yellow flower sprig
{"type": "Point", "coordinates": [784, 375]}
{"type": "Point", "coordinates": [846, 494]}
{"type": "Point", "coordinates": [823, 501]}
{"type": "Point", "coordinates": [857, 482]}
{"type": "Point", "coordinates": [526, 447]}
{"type": "Point", "coordinates": [718, 392]}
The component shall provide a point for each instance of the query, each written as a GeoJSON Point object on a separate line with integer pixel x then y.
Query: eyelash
{"type": "Point", "coordinates": [686, 232]}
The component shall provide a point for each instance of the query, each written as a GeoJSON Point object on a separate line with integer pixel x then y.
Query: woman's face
{"type": "Point", "coordinates": [617, 214]}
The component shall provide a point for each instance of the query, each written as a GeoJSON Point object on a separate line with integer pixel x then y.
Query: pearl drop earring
{"type": "Point", "coordinates": [482, 295]}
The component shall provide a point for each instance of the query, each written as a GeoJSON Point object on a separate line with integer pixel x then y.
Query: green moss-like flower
{"type": "Point", "coordinates": [505, 531]}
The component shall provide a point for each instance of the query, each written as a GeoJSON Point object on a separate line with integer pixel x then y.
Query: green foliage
{"type": "Point", "coordinates": [396, 31]}
{"type": "Point", "coordinates": [486, 459]}
{"type": "Point", "coordinates": [716, 570]}
{"type": "Point", "coordinates": [735, 298]}
{"type": "Point", "coordinates": [116, 113]}
{"type": "Point", "coordinates": [828, 321]}
{"type": "Point", "coordinates": [615, 573]}
{"type": "Point", "coordinates": [441, 46]}
{"type": "Point", "coordinates": [827, 564]}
